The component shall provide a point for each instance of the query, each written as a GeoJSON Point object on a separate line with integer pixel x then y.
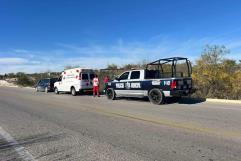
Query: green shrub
{"type": "Point", "coordinates": [24, 80]}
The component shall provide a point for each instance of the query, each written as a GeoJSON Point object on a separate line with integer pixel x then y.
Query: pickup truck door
{"type": "Point", "coordinates": [135, 84]}
{"type": "Point", "coordinates": [121, 86]}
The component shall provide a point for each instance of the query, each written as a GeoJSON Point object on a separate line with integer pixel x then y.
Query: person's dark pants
{"type": "Point", "coordinates": [106, 87]}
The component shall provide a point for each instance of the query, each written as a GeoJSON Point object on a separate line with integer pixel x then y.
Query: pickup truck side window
{"type": "Point", "coordinates": [152, 74]}
{"type": "Point", "coordinates": [124, 76]}
{"type": "Point", "coordinates": [135, 75]}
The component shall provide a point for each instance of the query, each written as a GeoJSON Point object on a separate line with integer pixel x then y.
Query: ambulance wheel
{"type": "Point", "coordinates": [46, 90]}
{"type": "Point", "coordinates": [110, 93]}
{"type": "Point", "coordinates": [73, 91]}
{"type": "Point", "coordinates": [56, 91]}
{"type": "Point", "coordinates": [156, 96]}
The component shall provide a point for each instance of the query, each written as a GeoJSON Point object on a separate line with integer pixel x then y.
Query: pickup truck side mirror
{"type": "Point", "coordinates": [117, 78]}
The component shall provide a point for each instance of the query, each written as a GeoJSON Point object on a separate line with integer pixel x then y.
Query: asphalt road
{"type": "Point", "coordinates": [45, 126]}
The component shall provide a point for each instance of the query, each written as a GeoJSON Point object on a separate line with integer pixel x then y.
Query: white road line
{"type": "Point", "coordinates": [22, 152]}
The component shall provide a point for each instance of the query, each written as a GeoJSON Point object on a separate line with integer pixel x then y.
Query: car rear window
{"type": "Point", "coordinates": [84, 76]}
{"type": "Point", "coordinates": [53, 80]}
{"type": "Point", "coordinates": [45, 80]}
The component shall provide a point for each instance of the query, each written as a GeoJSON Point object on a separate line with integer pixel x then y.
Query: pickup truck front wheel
{"type": "Point", "coordinates": [110, 93]}
{"type": "Point", "coordinates": [156, 96]}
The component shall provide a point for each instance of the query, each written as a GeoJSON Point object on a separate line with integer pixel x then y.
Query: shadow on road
{"type": "Point", "coordinates": [184, 100]}
{"type": "Point", "coordinates": [191, 100]}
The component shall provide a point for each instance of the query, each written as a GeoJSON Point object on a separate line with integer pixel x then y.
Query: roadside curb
{"type": "Point", "coordinates": [223, 101]}
{"type": "Point", "coordinates": [210, 100]}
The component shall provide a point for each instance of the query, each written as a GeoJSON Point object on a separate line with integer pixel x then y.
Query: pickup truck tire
{"type": "Point", "coordinates": [110, 93]}
{"type": "Point", "coordinates": [56, 91]}
{"type": "Point", "coordinates": [156, 96]}
{"type": "Point", "coordinates": [73, 91]}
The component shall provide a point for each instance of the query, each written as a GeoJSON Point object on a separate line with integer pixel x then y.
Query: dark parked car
{"type": "Point", "coordinates": [46, 85]}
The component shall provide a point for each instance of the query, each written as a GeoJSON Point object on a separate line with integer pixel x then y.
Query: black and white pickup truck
{"type": "Point", "coordinates": [169, 77]}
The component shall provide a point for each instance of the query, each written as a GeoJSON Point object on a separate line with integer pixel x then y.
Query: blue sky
{"type": "Point", "coordinates": [46, 35]}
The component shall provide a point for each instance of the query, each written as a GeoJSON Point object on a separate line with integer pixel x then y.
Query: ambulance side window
{"type": "Point", "coordinates": [135, 75]}
{"type": "Point", "coordinates": [124, 76]}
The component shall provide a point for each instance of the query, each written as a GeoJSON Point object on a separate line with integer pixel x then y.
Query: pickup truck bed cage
{"type": "Point", "coordinates": [173, 61]}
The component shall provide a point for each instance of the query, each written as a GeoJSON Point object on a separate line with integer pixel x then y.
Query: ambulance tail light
{"type": "Point", "coordinates": [173, 84]}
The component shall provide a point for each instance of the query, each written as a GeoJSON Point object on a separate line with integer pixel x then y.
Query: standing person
{"type": "Point", "coordinates": [96, 86]}
{"type": "Point", "coordinates": [106, 80]}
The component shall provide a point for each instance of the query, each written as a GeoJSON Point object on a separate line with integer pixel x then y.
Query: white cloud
{"type": "Point", "coordinates": [233, 45]}
{"type": "Point", "coordinates": [100, 55]}
{"type": "Point", "coordinates": [12, 61]}
{"type": "Point", "coordinates": [20, 51]}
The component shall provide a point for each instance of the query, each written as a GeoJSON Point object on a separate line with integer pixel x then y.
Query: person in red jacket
{"type": "Point", "coordinates": [106, 80]}
{"type": "Point", "coordinates": [96, 84]}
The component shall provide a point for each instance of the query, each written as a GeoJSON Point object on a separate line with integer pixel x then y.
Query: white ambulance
{"type": "Point", "coordinates": [75, 81]}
